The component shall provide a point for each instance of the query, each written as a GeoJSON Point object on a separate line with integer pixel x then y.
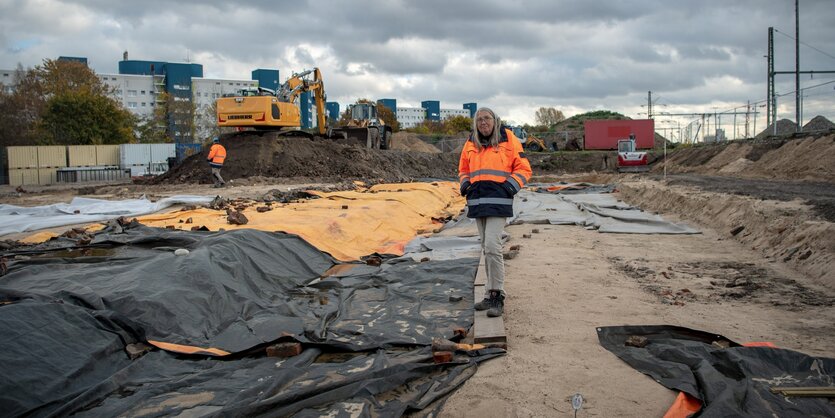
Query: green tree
{"type": "Point", "coordinates": [206, 122]}
{"type": "Point", "coordinates": [31, 110]}
{"type": "Point", "coordinates": [549, 116]}
{"type": "Point", "coordinates": [21, 106]}
{"type": "Point", "coordinates": [388, 117]}
{"type": "Point", "coordinates": [82, 118]}
{"type": "Point", "coordinates": [457, 124]}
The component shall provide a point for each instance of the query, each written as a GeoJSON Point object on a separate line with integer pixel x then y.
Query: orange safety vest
{"type": "Point", "coordinates": [217, 154]}
{"type": "Point", "coordinates": [491, 177]}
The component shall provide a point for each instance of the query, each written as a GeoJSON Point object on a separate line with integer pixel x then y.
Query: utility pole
{"type": "Point", "coordinates": [747, 118]}
{"type": "Point", "coordinates": [771, 99]}
{"type": "Point", "coordinates": [649, 104]}
{"type": "Point", "coordinates": [797, 64]}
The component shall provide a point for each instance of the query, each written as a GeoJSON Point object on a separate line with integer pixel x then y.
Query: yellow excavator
{"type": "Point", "coordinates": [262, 109]}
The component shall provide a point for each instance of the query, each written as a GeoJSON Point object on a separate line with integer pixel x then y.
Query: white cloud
{"type": "Point", "coordinates": [576, 56]}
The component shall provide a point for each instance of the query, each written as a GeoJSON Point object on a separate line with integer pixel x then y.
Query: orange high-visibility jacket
{"type": "Point", "coordinates": [217, 154]}
{"type": "Point", "coordinates": [491, 177]}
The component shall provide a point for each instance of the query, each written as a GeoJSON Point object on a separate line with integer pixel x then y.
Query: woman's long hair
{"type": "Point", "coordinates": [494, 137]}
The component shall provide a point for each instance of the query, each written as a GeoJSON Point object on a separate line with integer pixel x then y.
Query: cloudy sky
{"type": "Point", "coordinates": [514, 56]}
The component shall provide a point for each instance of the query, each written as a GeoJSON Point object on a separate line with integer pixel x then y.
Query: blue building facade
{"type": "Point", "coordinates": [174, 79]}
{"type": "Point", "coordinates": [433, 109]}
{"type": "Point", "coordinates": [306, 109]}
{"type": "Point", "coordinates": [82, 60]}
{"type": "Point", "coordinates": [389, 103]}
{"type": "Point", "coordinates": [266, 78]}
{"type": "Point", "coordinates": [472, 107]}
{"type": "Point", "coordinates": [332, 109]}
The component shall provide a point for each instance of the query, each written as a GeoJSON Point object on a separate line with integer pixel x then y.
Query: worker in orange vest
{"type": "Point", "coordinates": [493, 167]}
{"type": "Point", "coordinates": [217, 154]}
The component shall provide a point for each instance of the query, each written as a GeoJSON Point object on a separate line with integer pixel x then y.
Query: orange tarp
{"type": "Point", "coordinates": [380, 219]}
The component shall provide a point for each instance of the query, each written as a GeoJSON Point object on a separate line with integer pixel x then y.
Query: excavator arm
{"type": "Point", "coordinates": [299, 84]}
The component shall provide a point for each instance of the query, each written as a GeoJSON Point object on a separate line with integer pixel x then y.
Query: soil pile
{"type": "Point", "coordinates": [809, 158]}
{"type": "Point", "coordinates": [819, 124]}
{"type": "Point", "coordinates": [757, 213]}
{"type": "Point", "coordinates": [280, 157]}
{"type": "Point", "coordinates": [407, 141]}
{"type": "Point", "coordinates": [784, 127]}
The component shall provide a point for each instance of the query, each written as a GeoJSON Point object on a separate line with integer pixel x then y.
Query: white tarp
{"type": "Point", "coordinates": [81, 210]}
{"type": "Point", "coordinates": [597, 210]}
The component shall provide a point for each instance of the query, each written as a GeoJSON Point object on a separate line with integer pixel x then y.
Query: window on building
{"type": "Point", "coordinates": [113, 78]}
{"type": "Point", "coordinates": [131, 93]}
{"type": "Point", "coordinates": [151, 104]}
{"type": "Point", "coordinates": [143, 104]}
{"type": "Point", "coordinates": [143, 92]}
{"type": "Point", "coordinates": [131, 105]}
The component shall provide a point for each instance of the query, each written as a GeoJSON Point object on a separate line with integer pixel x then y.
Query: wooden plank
{"type": "Point", "coordinates": [481, 274]}
{"type": "Point", "coordinates": [486, 329]}
{"type": "Point", "coordinates": [809, 391]}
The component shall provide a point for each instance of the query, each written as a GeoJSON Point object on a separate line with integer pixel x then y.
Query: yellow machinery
{"type": "Point", "coordinates": [364, 127]}
{"type": "Point", "coordinates": [265, 110]}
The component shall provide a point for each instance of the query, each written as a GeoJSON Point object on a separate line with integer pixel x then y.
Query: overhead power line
{"type": "Point", "coordinates": [805, 44]}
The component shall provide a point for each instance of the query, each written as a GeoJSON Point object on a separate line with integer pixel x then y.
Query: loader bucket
{"type": "Point", "coordinates": [365, 137]}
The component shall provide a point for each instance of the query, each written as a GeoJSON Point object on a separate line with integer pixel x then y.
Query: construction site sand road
{"type": "Point", "coordinates": [760, 271]}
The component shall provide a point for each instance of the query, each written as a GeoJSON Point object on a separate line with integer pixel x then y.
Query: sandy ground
{"type": "Point", "coordinates": [567, 280]}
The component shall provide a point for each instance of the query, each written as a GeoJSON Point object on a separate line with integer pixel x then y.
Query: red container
{"type": "Point", "coordinates": [604, 133]}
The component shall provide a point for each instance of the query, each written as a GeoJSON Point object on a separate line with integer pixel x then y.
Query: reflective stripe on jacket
{"type": "Point", "coordinates": [491, 177]}
{"type": "Point", "coordinates": [217, 154]}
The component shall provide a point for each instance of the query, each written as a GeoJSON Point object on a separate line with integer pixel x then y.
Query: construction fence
{"type": "Point", "coordinates": [52, 164]}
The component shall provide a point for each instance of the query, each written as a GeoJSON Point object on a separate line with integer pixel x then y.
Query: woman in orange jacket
{"type": "Point", "coordinates": [492, 169]}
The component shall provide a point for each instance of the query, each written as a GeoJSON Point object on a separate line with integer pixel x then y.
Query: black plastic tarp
{"type": "Point", "coordinates": [67, 315]}
{"type": "Point", "coordinates": [732, 381]}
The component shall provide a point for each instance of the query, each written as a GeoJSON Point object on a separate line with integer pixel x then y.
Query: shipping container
{"type": "Point", "coordinates": [52, 156]}
{"type": "Point", "coordinates": [47, 176]}
{"type": "Point", "coordinates": [23, 157]}
{"type": "Point", "coordinates": [134, 155]}
{"type": "Point", "coordinates": [23, 176]}
{"type": "Point", "coordinates": [604, 134]}
{"type": "Point", "coordinates": [81, 155]}
{"type": "Point", "coordinates": [107, 155]}
{"type": "Point", "coordinates": [162, 152]}
{"type": "Point", "coordinates": [87, 174]}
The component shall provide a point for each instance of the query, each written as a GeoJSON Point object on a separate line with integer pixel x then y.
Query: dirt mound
{"type": "Point", "coordinates": [819, 124]}
{"type": "Point", "coordinates": [780, 230]}
{"type": "Point", "coordinates": [407, 141]}
{"type": "Point", "coordinates": [567, 162]}
{"type": "Point", "coordinates": [809, 158]}
{"type": "Point", "coordinates": [269, 156]}
{"type": "Point", "coordinates": [785, 127]}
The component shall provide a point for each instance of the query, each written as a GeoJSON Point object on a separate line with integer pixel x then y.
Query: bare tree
{"type": "Point", "coordinates": [549, 116]}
